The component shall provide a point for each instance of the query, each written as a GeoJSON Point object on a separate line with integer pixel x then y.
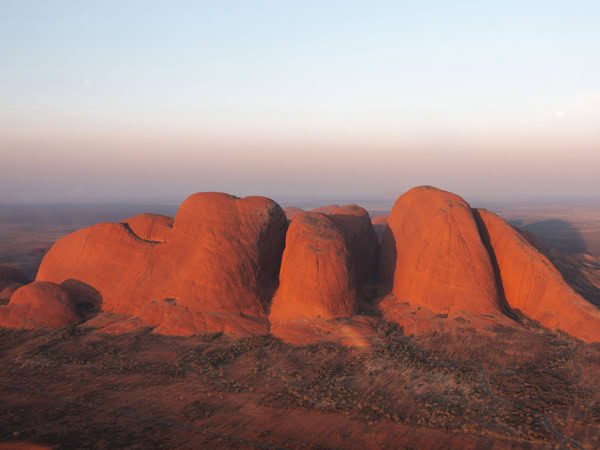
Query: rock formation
{"type": "Point", "coordinates": [360, 239]}
{"type": "Point", "coordinates": [432, 255]}
{"type": "Point", "coordinates": [151, 227]}
{"type": "Point", "coordinates": [533, 285]}
{"type": "Point", "coordinates": [39, 305]}
{"type": "Point", "coordinates": [220, 255]}
{"type": "Point", "coordinates": [217, 265]}
{"type": "Point", "coordinates": [326, 262]}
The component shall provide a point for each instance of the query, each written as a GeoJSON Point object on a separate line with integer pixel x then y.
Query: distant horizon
{"type": "Point", "coordinates": [302, 201]}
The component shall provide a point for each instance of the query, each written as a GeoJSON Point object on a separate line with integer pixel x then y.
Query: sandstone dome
{"type": "Point", "coordinates": [221, 254]}
{"type": "Point", "coordinates": [326, 262]}
{"type": "Point", "coordinates": [533, 285]}
{"type": "Point", "coordinates": [316, 278]}
{"type": "Point", "coordinates": [432, 255]}
{"type": "Point", "coordinates": [39, 305]}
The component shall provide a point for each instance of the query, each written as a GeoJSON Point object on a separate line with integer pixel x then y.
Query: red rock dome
{"type": "Point", "coordinates": [432, 254]}
{"type": "Point", "coordinates": [39, 305]}
{"type": "Point", "coordinates": [534, 286]}
{"type": "Point", "coordinates": [326, 262]}
{"type": "Point", "coordinates": [316, 278]}
{"type": "Point", "coordinates": [221, 255]}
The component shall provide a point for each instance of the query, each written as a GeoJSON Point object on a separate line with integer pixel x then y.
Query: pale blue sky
{"type": "Point", "coordinates": [148, 99]}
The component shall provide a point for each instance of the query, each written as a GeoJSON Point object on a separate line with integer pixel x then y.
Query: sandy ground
{"type": "Point", "coordinates": [508, 386]}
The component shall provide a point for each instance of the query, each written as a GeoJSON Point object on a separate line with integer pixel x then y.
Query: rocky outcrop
{"type": "Point", "coordinates": [532, 285]}
{"type": "Point", "coordinates": [220, 255]}
{"type": "Point", "coordinates": [39, 305]}
{"type": "Point", "coordinates": [432, 255]}
{"type": "Point", "coordinates": [326, 262]}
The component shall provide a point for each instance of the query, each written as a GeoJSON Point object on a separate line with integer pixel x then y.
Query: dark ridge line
{"type": "Point", "coordinates": [132, 233]}
{"type": "Point", "coordinates": [485, 239]}
{"type": "Point", "coordinates": [135, 415]}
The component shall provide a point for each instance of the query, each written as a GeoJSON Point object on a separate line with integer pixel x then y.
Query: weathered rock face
{"type": "Point", "coordinates": [39, 305]}
{"type": "Point", "coordinates": [379, 225]}
{"type": "Point", "coordinates": [220, 255]}
{"type": "Point", "coordinates": [325, 264]}
{"type": "Point", "coordinates": [151, 227]}
{"type": "Point", "coordinates": [360, 239]}
{"type": "Point", "coordinates": [533, 285]}
{"type": "Point", "coordinates": [316, 278]}
{"type": "Point", "coordinates": [432, 255]}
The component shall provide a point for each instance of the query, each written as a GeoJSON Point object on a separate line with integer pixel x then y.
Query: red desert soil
{"type": "Point", "coordinates": [502, 387]}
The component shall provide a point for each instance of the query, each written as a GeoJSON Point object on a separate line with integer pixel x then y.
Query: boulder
{"type": "Point", "coordinates": [39, 305]}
